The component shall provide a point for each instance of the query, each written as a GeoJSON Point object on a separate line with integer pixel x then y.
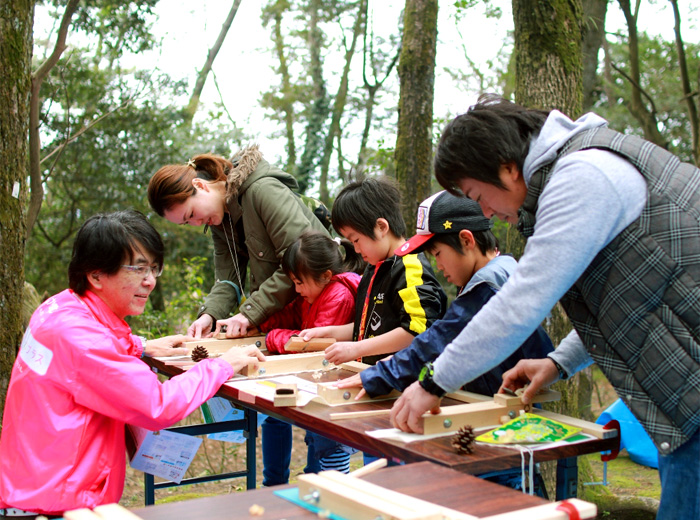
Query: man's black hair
{"type": "Point", "coordinates": [490, 134]}
{"type": "Point", "coordinates": [107, 241]}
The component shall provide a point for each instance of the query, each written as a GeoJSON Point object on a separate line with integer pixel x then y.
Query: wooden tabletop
{"type": "Point", "coordinates": [423, 480]}
{"type": "Point", "coordinates": [316, 417]}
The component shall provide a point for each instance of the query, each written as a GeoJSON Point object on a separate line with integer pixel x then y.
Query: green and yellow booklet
{"type": "Point", "coordinates": [528, 429]}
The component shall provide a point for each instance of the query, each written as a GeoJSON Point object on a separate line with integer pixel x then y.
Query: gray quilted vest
{"type": "Point", "coordinates": [637, 306]}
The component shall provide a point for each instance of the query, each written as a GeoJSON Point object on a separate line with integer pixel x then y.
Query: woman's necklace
{"type": "Point", "coordinates": [233, 252]}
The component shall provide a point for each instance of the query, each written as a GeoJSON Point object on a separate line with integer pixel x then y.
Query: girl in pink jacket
{"type": "Point", "coordinates": [327, 284]}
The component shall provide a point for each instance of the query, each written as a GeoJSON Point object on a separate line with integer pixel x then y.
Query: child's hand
{"type": "Point", "coordinates": [316, 332]}
{"type": "Point", "coordinates": [352, 382]}
{"type": "Point", "coordinates": [342, 352]}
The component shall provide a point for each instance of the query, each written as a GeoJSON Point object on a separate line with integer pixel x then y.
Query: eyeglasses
{"type": "Point", "coordinates": [144, 270]}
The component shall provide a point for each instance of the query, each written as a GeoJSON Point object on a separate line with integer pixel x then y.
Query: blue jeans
{"type": "Point", "coordinates": [276, 451]}
{"type": "Point", "coordinates": [680, 481]}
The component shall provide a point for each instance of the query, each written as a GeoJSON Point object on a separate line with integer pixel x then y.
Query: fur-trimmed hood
{"type": "Point", "coordinates": [248, 166]}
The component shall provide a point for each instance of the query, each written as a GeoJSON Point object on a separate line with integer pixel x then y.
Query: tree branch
{"type": "Point", "coordinates": [211, 55]}
{"type": "Point", "coordinates": [37, 191]}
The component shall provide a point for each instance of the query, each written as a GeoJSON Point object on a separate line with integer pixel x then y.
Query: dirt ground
{"type": "Point", "coordinates": [632, 492]}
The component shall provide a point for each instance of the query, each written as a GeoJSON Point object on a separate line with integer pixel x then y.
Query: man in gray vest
{"type": "Point", "coordinates": [613, 227]}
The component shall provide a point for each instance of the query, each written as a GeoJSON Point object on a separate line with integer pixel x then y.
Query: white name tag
{"type": "Point", "coordinates": [34, 354]}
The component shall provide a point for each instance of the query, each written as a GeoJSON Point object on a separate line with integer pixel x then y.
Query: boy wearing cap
{"type": "Point", "coordinates": [399, 297]}
{"type": "Point", "coordinates": [455, 231]}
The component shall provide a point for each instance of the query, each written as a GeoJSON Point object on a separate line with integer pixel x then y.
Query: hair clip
{"type": "Point", "coordinates": [191, 164]}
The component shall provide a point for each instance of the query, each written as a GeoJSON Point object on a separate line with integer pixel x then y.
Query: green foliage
{"type": "Point", "coordinates": [183, 300]}
{"type": "Point", "coordinates": [660, 80]}
{"type": "Point", "coordinates": [105, 130]}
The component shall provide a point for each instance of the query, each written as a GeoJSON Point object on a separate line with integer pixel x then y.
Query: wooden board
{"type": "Point", "coordinates": [296, 344]}
{"type": "Point", "coordinates": [357, 499]}
{"type": "Point", "coordinates": [219, 346]}
{"type": "Point", "coordinates": [332, 395]}
{"type": "Point", "coordinates": [288, 364]}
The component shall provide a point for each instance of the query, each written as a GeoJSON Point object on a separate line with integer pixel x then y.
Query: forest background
{"type": "Point", "coordinates": [98, 94]}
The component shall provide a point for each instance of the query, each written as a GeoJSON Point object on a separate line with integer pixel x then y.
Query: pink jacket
{"type": "Point", "coordinates": [77, 380]}
{"type": "Point", "coordinates": [334, 306]}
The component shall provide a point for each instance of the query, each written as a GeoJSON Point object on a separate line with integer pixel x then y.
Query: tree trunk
{"type": "Point", "coordinates": [547, 50]}
{"type": "Point", "coordinates": [688, 94]}
{"type": "Point", "coordinates": [339, 107]}
{"type": "Point", "coordinates": [211, 56]}
{"type": "Point", "coordinates": [594, 31]}
{"type": "Point", "coordinates": [414, 147]}
{"type": "Point", "coordinates": [37, 190]}
{"type": "Point", "coordinates": [319, 108]}
{"type": "Point", "coordinates": [15, 62]}
{"type": "Point", "coordinates": [287, 106]}
{"type": "Point", "coordinates": [646, 116]}
{"type": "Point", "coordinates": [548, 41]}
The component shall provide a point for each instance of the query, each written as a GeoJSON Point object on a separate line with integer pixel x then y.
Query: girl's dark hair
{"type": "Point", "coordinates": [486, 241]}
{"type": "Point", "coordinates": [106, 241]}
{"type": "Point", "coordinates": [361, 203]}
{"type": "Point", "coordinates": [490, 134]}
{"type": "Point", "coordinates": [314, 253]}
{"type": "Point", "coordinates": [172, 184]}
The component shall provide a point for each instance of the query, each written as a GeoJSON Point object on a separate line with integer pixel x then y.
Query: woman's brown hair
{"type": "Point", "coordinates": [172, 184]}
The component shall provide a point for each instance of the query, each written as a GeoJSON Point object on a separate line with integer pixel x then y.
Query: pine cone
{"type": "Point", "coordinates": [463, 440]}
{"type": "Point", "coordinates": [199, 353]}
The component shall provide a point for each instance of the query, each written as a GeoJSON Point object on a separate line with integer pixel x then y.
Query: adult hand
{"type": "Point", "coordinates": [409, 408]}
{"type": "Point", "coordinates": [236, 326]}
{"type": "Point", "coordinates": [342, 352]}
{"type": "Point", "coordinates": [352, 382]}
{"type": "Point", "coordinates": [537, 372]}
{"type": "Point", "coordinates": [167, 346]}
{"type": "Point", "coordinates": [201, 324]}
{"type": "Point", "coordinates": [240, 357]}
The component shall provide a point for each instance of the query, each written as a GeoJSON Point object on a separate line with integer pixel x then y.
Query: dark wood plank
{"type": "Point", "coordinates": [422, 480]}
{"type": "Point", "coordinates": [316, 417]}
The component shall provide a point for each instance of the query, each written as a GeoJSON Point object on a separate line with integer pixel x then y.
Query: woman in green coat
{"type": "Point", "coordinates": [254, 216]}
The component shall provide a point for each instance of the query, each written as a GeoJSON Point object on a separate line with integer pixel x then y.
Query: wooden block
{"type": "Point", "coordinates": [219, 346]}
{"type": "Point", "coordinates": [332, 395]}
{"type": "Point", "coordinates": [115, 512]}
{"type": "Point", "coordinates": [468, 397]}
{"type": "Point", "coordinates": [296, 344]}
{"type": "Point", "coordinates": [549, 512]}
{"type": "Point", "coordinates": [354, 366]}
{"type": "Point", "coordinates": [543, 396]}
{"type": "Point", "coordinates": [80, 514]}
{"type": "Point", "coordinates": [356, 499]}
{"type": "Point", "coordinates": [287, 364]}
{"type": "Point", "coordinates": [590, 428]}
{"type": "Point", "coordinates": [285, 394]}
{"type": "Point", "coordinates": [477, 415]}
{"type": "Point", "coordinates": [358, 415]}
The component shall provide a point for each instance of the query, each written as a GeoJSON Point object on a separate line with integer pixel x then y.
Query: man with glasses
{"type": "Point", "coordinates": [78, 378]}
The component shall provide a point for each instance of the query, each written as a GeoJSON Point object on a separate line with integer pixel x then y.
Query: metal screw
{"type": "Point", "coordinates": [257, 343]}
{"type": "Point", "coordinates": [261, 371]}
{"type": "Point", "coordinates": [447, 423]}
{"type": "Point", "coordinates": [346, 395]}
{"type": "Point", "coordinates": [324, 362]}
{"type": "Point", "coordinates": [314, 496]}
{"type": "Point", "coordinates": [511, 414]}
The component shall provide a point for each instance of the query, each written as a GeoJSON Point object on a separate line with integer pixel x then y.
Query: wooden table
{"type": "Point", "coordinates": [422, 480]}
{"type": "Point", "coordinates": [316, 417]}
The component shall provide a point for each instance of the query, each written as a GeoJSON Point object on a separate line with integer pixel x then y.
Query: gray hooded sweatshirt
{"type": "Point", "coordinates": [591, 197]}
